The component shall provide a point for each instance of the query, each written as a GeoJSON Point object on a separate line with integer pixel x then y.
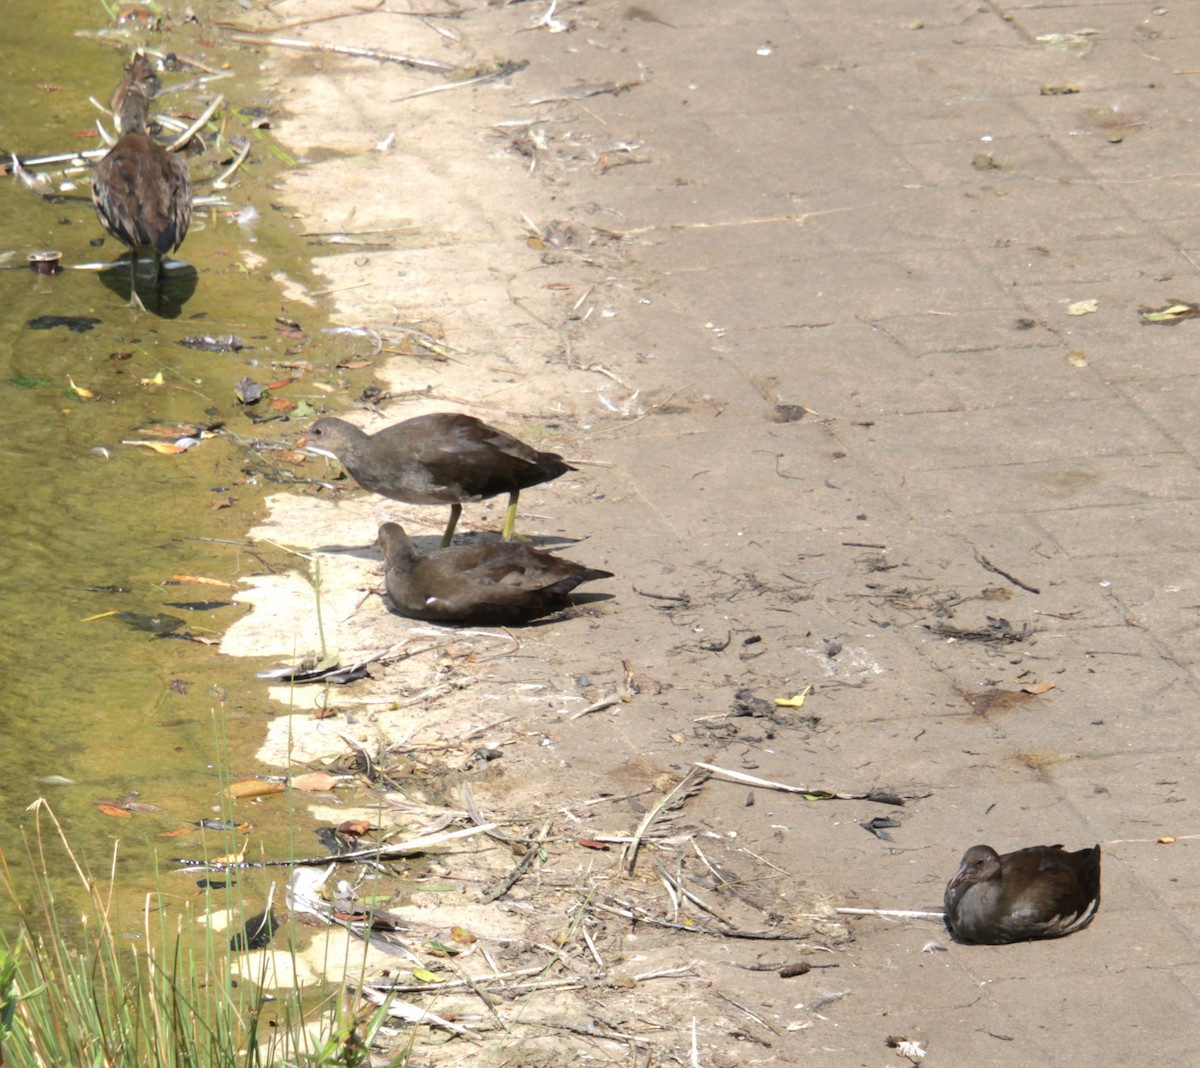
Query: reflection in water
{"type": "Point", "coordinates": [112, 708]}
{"type": "Point", "coordinates": [176, 285]}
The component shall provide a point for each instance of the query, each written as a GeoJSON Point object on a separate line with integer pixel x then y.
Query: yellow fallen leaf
{"type": "Point", "coordinates": [1165, 840]}
{"type": "Point", "coordinates": [793, 702]}
{"type": "Point", "coordinates": [167, 448]}
{"type": "Point", "coordinates": [426, 976]}
{"type": "Point", "coordinates": [81, 391]}
{"type": "Point", "coordinates": [1083, 307]}
{"type": "Point", "coordinates": [254, 788]}
{"type": "Point", "coordinates": [157, 380]}
{"type": "Point", "coordinates": [232, 858]}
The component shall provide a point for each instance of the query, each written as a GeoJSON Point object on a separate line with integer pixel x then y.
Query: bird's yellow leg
{"type": "Point", "coordinates": [510, 517]}
{"type": "Point", "coordinates": [455, 512]}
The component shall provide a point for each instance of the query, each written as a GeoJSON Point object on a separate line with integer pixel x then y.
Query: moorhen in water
{"type": "Point", "coordinates": [438, 459]}
{"type": "Point", "coordinates": [495, 584]}
{"type": "Point", "coordinates": [141, 191]}
{"type": "Point", "coordinates": [1039, 892]}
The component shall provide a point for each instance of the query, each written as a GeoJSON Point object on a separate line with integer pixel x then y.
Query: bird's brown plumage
{"type": "Point", "coordinates": [1037, 892]}
{"type": "Point", "coordinates": [495, 584]}
{"type": "Point", "coordinates": [444, 458]}
{"type": "Point", "coordinates": [141, 192]}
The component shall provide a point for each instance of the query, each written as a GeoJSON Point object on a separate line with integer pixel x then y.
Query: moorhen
{"type": "Point", "coordinates": [141, 191]}
{"type": "Point", "coordinates": [495, 584]}
{"type": "Point", "coordinates": [444, 458]}
{"type": "Point", "coordinates": [1039, 892]}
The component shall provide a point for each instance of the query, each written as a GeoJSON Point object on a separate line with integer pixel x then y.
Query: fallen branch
{"type": "Point", "coordinates": [689, 783]}
{"type": "Point", "coordinates": [987, 565]}
{"type": "Point", "coordinates": [903, 914]}
{"type": "Point", "coordinates": [501, 888]}
{"type": "Point", "coordinates": [807, 792]}
{"type": "Point", "coordinates": [190, 132]}
{"type": "Point", "coordinates": [629, 912]}
{"type": "Point", "coordinates": [412, 1014]}
{"type": "Point", "coordinates": [436, 66]}
{"type": "Point", "coordinates": [380, 852]}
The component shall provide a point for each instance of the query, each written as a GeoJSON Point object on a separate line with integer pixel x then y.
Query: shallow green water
{"type": "Point", "coordinates": [113, 709]}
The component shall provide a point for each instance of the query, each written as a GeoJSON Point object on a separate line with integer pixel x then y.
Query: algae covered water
{"type": "Point", "coordinates": [105, 699]}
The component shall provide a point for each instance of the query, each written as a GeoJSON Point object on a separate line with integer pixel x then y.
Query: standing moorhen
{"type": "Point", "coordinates": [495, 584]}
{"type": "Point", "coordinates": [1038, 892]}
{"type": "Point", "coordinates": [444, 458]}
{"type": "Point", "coordinates": [141, 191]}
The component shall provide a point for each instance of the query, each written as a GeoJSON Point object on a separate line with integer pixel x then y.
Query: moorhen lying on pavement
{"type": "Point", "coordinates": [495, 584]}
{"type": "Point", "coordinates": [1039, 892]}
{"type": "Point", "coordinates": [445, 458]}
{"type": "Point", "coordinates": [141, 191]}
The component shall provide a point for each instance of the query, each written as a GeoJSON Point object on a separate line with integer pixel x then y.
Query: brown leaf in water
{"type": "Point", "coordinates": [254, 788]}
{"type": "Point", "coordinates": [113, 810]}
{"type": "Point", "coordinates": [354, 828]}
{"type": "Point", "coordinates": [167, 448]}
{"type": "Point", "coordinates": [82, 392]}
{"type": "Point", "coordinates": [179, 833]}
{"type": "Point", "coordinates": [232, 858]}
{"type": "Point", "coordinates": [317, 781]}
{"type": "Point", "coordinates": [180, 580]}
{"type": "Point", "coordinates": [217, 503]}
{"type": "Point", "coordinates": [282, 404]}
{"type": "Point", "coordinates": [143, 807]}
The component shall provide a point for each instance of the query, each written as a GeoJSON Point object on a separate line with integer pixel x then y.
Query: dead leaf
{"type": "Point", "coordinates": [113, 810]}
{"type": "Point", "coordinates": [354, 828]}
{"type": "Point", "coordinates": [254, 788]}
{"type": "Point", "coordinates": [462, 936]}
{"type": "Point", "coordinates": [282, 404]}
{"type": "Point", "coordinates": [179, 833]}
{"type": "Point", "coordinates": [1036, 688]}
{"type": "Point", "coordinates": [424, 975]}
{"type": "Point", "coordinates": [180, 580]}
{"type": "Point", "coordinates": [1170, 314]}
{"type": "Point", "coordinates": [316, 781]}
{"type": "Point", "coordinates": [1084, 307]}
{"type": "Point", "coordinates": [232, 858]}
{"type": "Point", "coordinates": [793, 702]}
{"type": "Point", "coordinates": [591, 843]}
{"type": "Point", "coordinates": [167, 448]}
{"type": "Point", "coordinates": [1165, 840]}
{"type": "Point", "coordinates": [984, 701]}
{"type": "Point", "coordinates": [80, 391]}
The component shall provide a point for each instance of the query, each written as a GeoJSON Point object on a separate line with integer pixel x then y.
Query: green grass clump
{"type": "Point", "coordinates": [77, 991]}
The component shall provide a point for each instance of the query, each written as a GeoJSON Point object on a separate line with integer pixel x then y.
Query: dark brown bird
{"type": "Point", "coordinates": [1039, 892]}
{"type": "Point", "coordinates": [491, 585]}
{"type": "Point", "coordinates": [141, 191]}
{"type": "Point", "coordinates": [444, 458]}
